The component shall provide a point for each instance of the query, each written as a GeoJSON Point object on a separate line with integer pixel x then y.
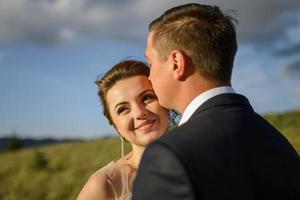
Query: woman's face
{"type": "Point", "coordinates": [135, 110]}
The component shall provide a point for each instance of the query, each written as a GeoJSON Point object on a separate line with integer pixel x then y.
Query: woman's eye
{"type": "Point", "coordinates": [121, 110]}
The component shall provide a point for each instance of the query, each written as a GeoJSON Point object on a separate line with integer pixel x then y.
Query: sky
{"type": "Point", "coordinates": [52, 51]}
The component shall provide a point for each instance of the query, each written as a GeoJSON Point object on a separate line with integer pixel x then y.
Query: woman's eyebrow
{"type": "Point", "coordinates": [141, 94]}
{"type": "Point", "coordinates": [121, 103]}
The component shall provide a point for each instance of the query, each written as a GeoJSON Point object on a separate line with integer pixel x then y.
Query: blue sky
{"type": "Point", "coordinates": [51, 52]}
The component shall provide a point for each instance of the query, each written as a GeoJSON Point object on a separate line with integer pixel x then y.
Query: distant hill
{"type": "Point", "coordinates": [30, 142]}
{"type": "Point", "coordinates": [69, 165]}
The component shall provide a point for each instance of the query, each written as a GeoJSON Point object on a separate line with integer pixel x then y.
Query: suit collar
{"type": "Point", "coordinates": [200, 99]}
{"type": "Point", "coordinates": [223, 100]}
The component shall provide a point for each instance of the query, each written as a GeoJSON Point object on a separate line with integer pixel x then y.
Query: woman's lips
{"type": "Point", "coordinates": [147, 125]}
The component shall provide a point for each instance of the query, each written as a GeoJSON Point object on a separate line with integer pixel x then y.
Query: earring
{"type": "Point", "coordinates": [122, 146]}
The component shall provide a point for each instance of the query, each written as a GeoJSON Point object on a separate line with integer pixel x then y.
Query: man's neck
{"type": "Point", "coordinates": [191, 89]}
{"type": "Point", "coordinates": [201, 99]}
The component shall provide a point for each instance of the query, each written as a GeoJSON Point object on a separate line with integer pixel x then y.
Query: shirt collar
{"type": "Point", "coordinates": [200, 99]}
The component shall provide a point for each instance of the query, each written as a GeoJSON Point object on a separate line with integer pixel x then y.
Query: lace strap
{"type": "Point", "coordinates": [112, 186]}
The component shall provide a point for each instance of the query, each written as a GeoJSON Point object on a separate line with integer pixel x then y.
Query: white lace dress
{"type": "Point", "coordinates": [119, 180]}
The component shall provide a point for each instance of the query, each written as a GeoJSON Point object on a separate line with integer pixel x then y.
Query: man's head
{"type": "Point", "coordinates": [203, 35]}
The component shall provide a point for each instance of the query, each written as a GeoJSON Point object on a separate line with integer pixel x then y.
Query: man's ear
{"type": "Point", "coordinates": [179, 61]}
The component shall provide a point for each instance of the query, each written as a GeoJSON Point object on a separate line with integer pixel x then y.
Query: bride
{"type": "Point", "coordinates": [130, 105]}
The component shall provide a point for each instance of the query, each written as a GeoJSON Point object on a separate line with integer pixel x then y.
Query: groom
{"type": "Point", "coordinates": [222, 149]}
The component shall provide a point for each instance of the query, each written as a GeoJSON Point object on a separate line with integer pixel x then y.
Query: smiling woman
{"type": "Point", "coordinates": [135, 111]}
{"type": "Point", "coordinates": [131, 106]}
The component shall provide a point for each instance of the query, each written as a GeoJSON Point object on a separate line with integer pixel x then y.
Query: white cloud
{"type": "Point", "coordinates": [259, 76]}
{"type": "Point", "coordinates": [66, 34]}
{"type": "Point", "coordinates": [1, 56]}
{"type": "Point", "coordinates": [298, 91]}
{"type": "Point", "coordinates": [46, 21]}
{"type": "Point", "coordinates": [292, 69]}
{"type": "Point", "coordinates": [293, 34]}
{"type": "Point", "coordinates": [43, 20]}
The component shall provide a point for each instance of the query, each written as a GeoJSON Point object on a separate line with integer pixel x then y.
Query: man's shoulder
{"type": "Point", "coordinates": [205, 127]}
{"type": "Point", "coordinates": [182, 135]}
{"type": "Point", "coordinates": [199, 123]}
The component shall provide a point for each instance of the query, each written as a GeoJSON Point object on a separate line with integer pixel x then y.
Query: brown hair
{"type": "Point", "coordinates": [202, 32]}
{"type": "Point", "coordinates": [120, 71]}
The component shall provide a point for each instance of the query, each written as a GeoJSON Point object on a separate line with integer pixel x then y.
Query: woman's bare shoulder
{"type": "Point", "coordinates": [101, 185]}
{"type": "Point", "coordinates": [95, 188]}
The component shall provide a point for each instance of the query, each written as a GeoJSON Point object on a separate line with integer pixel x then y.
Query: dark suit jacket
{"type": "Point", "coordinates": [224, 151]}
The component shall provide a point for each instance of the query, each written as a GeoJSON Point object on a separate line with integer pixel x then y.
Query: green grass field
{"type": "Point", "coordinates": [22, 176]}
{"type": "Point", "coordinates": [69, 166]}
{"type": "Point", "coordinates": [289, 125]}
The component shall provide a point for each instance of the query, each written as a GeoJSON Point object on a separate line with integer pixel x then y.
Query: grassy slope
{"type": "Point", "coordinates": [69, 167]}
{"type": "Point", "coordinates": [289, 125]}
{"type": "Point", "coordinates": [71, 164]}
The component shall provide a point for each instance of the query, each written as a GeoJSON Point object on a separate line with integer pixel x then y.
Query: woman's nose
{"type": "Point", "coordinates": [140, 112]}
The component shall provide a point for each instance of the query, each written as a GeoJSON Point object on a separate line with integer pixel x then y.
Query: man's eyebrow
{"type": "Point", "coordinates": [145, 91]}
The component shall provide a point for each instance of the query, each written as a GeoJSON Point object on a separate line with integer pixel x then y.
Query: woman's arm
{"type": "Point", "coordinates": [94, 189]}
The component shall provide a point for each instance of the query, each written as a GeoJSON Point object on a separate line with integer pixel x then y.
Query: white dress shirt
{"type": "Point", "coordinates": [200, 99]}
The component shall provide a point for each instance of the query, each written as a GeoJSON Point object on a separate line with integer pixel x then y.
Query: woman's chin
{"type": "Point", "coordinates": [152, 136]}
